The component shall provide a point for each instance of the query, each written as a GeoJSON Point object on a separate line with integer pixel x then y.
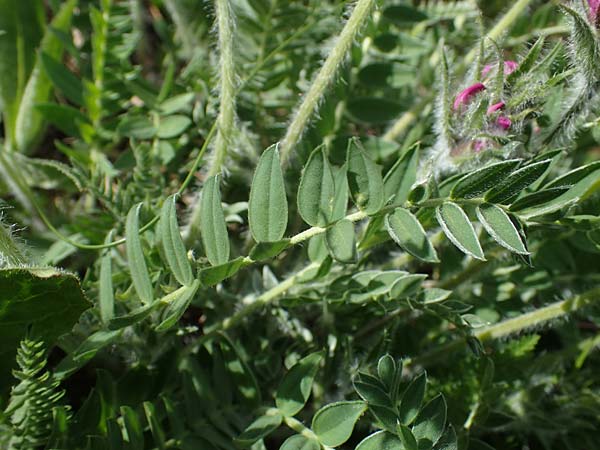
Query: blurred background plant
{"type": "Point", "coordinates": [204, 276]}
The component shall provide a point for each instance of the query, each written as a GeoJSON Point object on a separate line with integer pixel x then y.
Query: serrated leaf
{"type": "Point", "coordinates": [177, 303]}
{"type": "Point", "coordinates": [458, 229]}
{"type": "Point", "coordinates": [267, 208]}
{"type": "Point", "coordinates": [499, 226]}
{"type": "Point", "coordinates": [506, 191]}
{"type": "Point", "coordinates": [381, 440]}
{"type": "Point", "coordinates": [476, 183]}
{"type": "Point", "coordinates": [412, 399]}
{"type": "Point", "coordinates": [299, 442]}
{"type": "Point", "coordinates": [106, 299]}
{"type": "Point", "coordinates": [267, 250]}
{"type": "Point", "coordinates": [341, 241]}
{"type": "Point", "coordinates": [364, 179]}
{"type": "Point", "coordinates": [295, 388]}
{"type": "Point", "coordinates": [135, 255]}
{"type": "Point", "coordinates": [258, 429]}
{"type": "Point", "coordinates": [400, 178]}
{"type": "Point", "coordinates": [173, 246]}
{"type": "Point", "coordinates": [429, 425]}
{"type": "Point", "coordinates": [316, 191]}
{"type": "Point", "coordinates": [213, 227]}
{"type": "Point", "coordinates": [333, 424]}
{"type": "Point", "coordinates": [213, 275]}
{"type": "Point", "coordinates": [406, 230]}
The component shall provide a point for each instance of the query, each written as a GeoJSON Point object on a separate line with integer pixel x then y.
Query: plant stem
{"type": "Point", "coordinates": [513, 326]}
{"type": "Point", "coordinates": [227, 90]}
{"type": "Point", "coordinates": [325, 76]}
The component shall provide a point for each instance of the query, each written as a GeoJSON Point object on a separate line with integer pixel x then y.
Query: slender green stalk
{"type": "Point", "coordinates": [515, 325]}
{"type": "Point", "coordinates": [227, 90]}
{"type": "Point", "coordinates": [325, 76]}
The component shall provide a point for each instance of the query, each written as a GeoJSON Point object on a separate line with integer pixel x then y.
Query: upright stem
{"type": "Point", "coordinates": [325, 76]}
{"type": "Point", "coordinates": [227, 90]}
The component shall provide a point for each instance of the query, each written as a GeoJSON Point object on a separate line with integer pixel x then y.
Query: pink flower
{"type": "Point", "coordinates": [479, 145]}
{"type": "Point", "coordinates": [509, 66]}
{"type": "Point", "coordinates": [503, 122]}
{"type": "Point", "coordinates": [496, 107]}
{"type": "Point", "coordinates": [465, 96]}
{"type": "Point", "coordinates": [594, 10]}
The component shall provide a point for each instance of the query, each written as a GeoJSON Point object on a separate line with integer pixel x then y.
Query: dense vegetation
{"type": "Point", "coordinates": [299, 224]}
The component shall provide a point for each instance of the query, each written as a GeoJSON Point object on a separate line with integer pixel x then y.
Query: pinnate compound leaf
{"type": "Point", "coordinates": [333, 424]}
{"type": "Point", "coordinates": [174, 249]}
{"type": "Point", "coordinates": [135, 255]}
{"type": "Point", "coordinates": [458, 229]}
{"type": "Point", "coordinates": [381, 440]}
{"type": "Point", "coordinates": [506, 191]}
{"type": "Point", "coordinates": [213, 227]}
{"type": "Point", "coordinates": [177, 303]}
{"type": "Point", "coordinates": [364, 179]}
{"type": "Point", "coordinates": [48, 300]}
{"type": "Point", "coordinates": [294, 390]}
{"type": "Point", "coordinates": [477, 183]}
{"type": "Point", "coordinates": [258, 429]}
{"type": "Point", "coordinates": [406, 230]}
{"type": "Point", "coordinates": [341, 241]}
{"type": "Point", "coordinates": [412, 399]}
{"type": "Point", "coordinates": [429, 424]}
{"type": "Point", "coordinates": [316, 191]}
{"type": "Point", "coordinates": [299, 442]}
{"type": "Point", "coordinates": [401, 177]}
{"type": "Point", "coordinates": [267, 208]}
{"type": "Point", "coordinates": [500, 227]}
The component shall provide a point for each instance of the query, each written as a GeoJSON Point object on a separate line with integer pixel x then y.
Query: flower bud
{"type": "Point", "coordinates": [496, 107]}
{"type": "Point", "coordinates": [465, 96]}
{"type": "Point", "coordinates": [504, 122]}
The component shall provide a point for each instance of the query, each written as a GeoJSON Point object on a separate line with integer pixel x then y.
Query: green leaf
{"type": "Point", "coordinates": [153, 420]}
{"type": "Point", "coordinates": [401, 177]}
{"type": "Point", "coordinates": [434, 295]}
{"type": "Point", "coordinates": [63, 79]}
{"type": "Point", "coordinates": [406, 286]}
{"type": "Point", "coordinates": [506, 191]}
{"type": "Point", "coordinates": [177, 103]}
{"type": "Point", "coordinates": [213, 227]}
{"type": "Point", "coordinates": [213, 275]}
{"type": "Point", "coordinates": [66, 118]}
{"type": "Point", "coordinates": [258, 429]}
{"type": "Point", "coordinates": [458, 229]}
{"type": "Point", "coordinates": [406, 230]}
{"type": "Point", "coordinates": [371, 390]}
{"type": "Point", "coordinates": [408, 440]}
{"type": "Point", "coordinates": [295, 388]}
{"type": "Point", "coordinates": [364, 179]}
{"type": "Point", "coordinates": [573, 177]}
{"type": "Point", "coordinates": [267, 208]}
{"type": "Point", "coordinates": [135, 255]}
{"type": "Point", "coordinates": [429, 425]}
{"type": "Point", "coordinates": [105, 296]}
{"type": "Point", "coordinates": [174, 249]}
{"type": "Point", "coordinates": [340, 203]}
{"type": "Point", "coordinates": [382, 440]}
{"type": "Point", "coordinates": [404, 14]}
{"type": "Point", "coordinates": [341, 241]}
{"type": "Point", "coordinates": [537, 198]}
{"type": "Point", "coordinates": [299, 442]}
{"type": "Point", "coordinates": [267, 250]}
{"type": "Point", "coordinates": [30, 124]}
{"type": "Point", "coordinates": [316, 190]}
{"type": "Point", "coordinates": [448, 440]}
{"type": "Point", "coordinates": [375, 110]}
{"type": "Point", "coordinates": [412, 399]}
{"type": "Point", "coordinates": [173, 126]}
{"type": "Point", "coordinates": [476, 183]}
{"type": "Point", "coordinates": [138, 127]}
{"type": "Point", "coordinates": [134, 434]}
{"type": "Point", "coordinates": [499, 226]}
{"type": "Point", "coordinates": [333, 424]}
{"type": "Point", "coordinates": [47, 299]}
{"type": "Point", "coordinates": [387, 371]}
{"type": "Point", "coordinates": [177, 303]}
{"type": "Point", "coordinates": [133, 317]}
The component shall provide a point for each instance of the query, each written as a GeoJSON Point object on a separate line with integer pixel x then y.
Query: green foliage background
{"type": "Point", "coordinates": [299, 224]}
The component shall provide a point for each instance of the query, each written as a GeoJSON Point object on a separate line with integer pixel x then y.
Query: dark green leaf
{"type": "Point", "coordinates": [374, 109]}
{"type": "Point", "coordinates": [213, 275]}
{"type": "Point", "coordinates": [174, 249]}
{"type": "Point", "coordinates": [406, 230]}
{"type": "Point", "coordinates": [497, 223]}
{"type": "Point", "coordinates": [213, 227]}
{"type": "Point", "coordinates": [400, 178]}
{"type": "Point", "coordinates": [458, 229]}
{"type": "Point", "coordinates": [258, 429]}
{"type": "Point", "coordinates": [381, 440]}
{"type": "Point", "coordinates": [404, 14]}
{"type": "Point", "coordinates": [408, 440]}
{"type": "Point", "coordinates": [333, 424]}
{"type": "Point", "coordinates": [364, 179]}
{"type": "Point", "coordinates": [316, 190]}
{"type": "Point", "coordinates": [63, 79]}
{"type": "Point", "coordinates": [177, 303]}
{"type": "Point", "coordinates": [412, 399]}
{"type": "Point", "coordinates": [294, 390]}
{"type": "Point", "coordinates": [429, 425]}
{"type": "Point", "coordinates": [158, 434]}
{"type": "Point", "coordinates": [135, 255]}
{"type": "Point", "coordinates": [299, 442]}
{"type": "Point", "coordinates": [476, 183]}
{"type": "Point", "coordinates": [506, 191]}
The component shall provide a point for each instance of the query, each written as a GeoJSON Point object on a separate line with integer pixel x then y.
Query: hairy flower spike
{"type": "Point", "coordinates": [509, 67]}
{"type": "Point", "coordinates": [467, 94]}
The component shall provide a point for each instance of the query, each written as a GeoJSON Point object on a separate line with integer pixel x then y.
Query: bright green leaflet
{"type": "Point", "coordinates": [333, 424]}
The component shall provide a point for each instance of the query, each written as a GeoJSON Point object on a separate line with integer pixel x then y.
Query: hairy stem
{"type": "Point", "coordinates": [227, 90]}
{"type": "Point", "coordinates": [325, 76]}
